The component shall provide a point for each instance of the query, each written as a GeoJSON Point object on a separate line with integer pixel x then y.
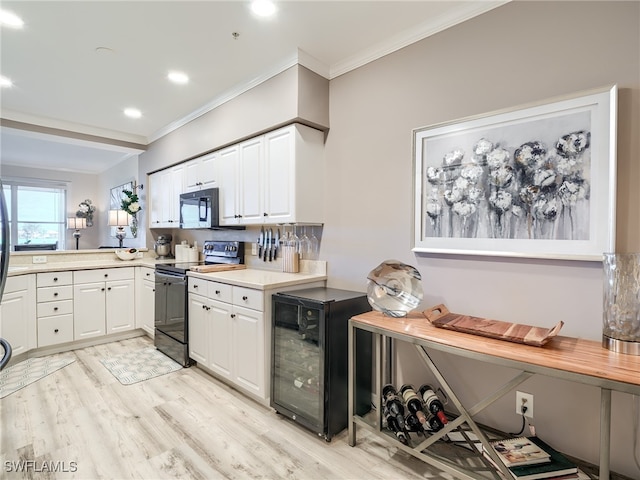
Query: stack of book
{"type": "Point", "coordinates": [529, 458]}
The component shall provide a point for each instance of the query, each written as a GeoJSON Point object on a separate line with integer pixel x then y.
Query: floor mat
{"type": "Point", "coordinates": [138, 366]}
{"type": "Point", "coordinates": [25, 373]}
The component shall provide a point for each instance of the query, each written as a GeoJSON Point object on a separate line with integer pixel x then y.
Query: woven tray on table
{"type": "Point", "coordinates": [440, 316]}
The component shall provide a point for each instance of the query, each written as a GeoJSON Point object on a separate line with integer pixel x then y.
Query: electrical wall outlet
{"type": "Point", "coordinates": [524, 400]}
{"type": "Point", "coordinates": [39, 259]}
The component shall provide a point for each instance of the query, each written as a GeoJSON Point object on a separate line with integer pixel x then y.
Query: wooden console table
{"type": "Point", "coordinates": [582, 361]}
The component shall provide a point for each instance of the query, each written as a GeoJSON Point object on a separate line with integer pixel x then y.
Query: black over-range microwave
{"type": "Point", "coordinates": [199, 209]}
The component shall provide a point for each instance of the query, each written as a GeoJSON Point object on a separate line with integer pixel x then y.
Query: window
{"type": "Point", "coordinates": [36, 212]}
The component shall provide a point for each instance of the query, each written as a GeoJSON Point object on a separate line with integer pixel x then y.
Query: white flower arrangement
{"type": "Point", "coordinates": [130, 203]}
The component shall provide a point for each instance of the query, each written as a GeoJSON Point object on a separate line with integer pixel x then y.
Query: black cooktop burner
{"type": "Point", "coordinates": [177, 267]}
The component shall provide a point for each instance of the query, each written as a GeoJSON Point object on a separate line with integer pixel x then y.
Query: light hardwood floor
{"type": "Point", "coordinates": [183, 425]}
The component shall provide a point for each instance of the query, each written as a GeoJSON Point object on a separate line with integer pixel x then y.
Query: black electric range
{"type": "Point", "coordinates": [171, 303]}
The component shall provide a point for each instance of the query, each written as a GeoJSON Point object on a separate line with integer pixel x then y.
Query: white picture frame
{"type": "Point", "coordinates": [533, 181]}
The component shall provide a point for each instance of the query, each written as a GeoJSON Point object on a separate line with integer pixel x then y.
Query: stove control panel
{"type": "Point", "coordinates": [223, 251]}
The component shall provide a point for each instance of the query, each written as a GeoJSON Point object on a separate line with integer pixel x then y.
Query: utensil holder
{"type": "Point", "coordinates": [621, 306]}
{"type": "Point", "coordinates": [290, 259]}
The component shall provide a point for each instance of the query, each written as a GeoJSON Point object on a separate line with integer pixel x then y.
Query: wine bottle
{"type": "Point", "coordinates": [414, 405]}
{"type": "Point", "coordinates": [413, 424]}
{"type": "Point", "coordinates": [433, 403]}
{"type": "Point", "coordinates": [392, 424]}
{"type": "Point", "coordinates": [433, 424]}
{"type": "Point", "coordinates": [393, 404]}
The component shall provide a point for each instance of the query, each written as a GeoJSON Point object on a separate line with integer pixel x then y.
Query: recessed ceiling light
{"type": "Point", "coordinates": [5, 82]}
{"type": "Point", "coordinates": [10, 19]}
{"type": "Point", "coordinates": [178, 77]}
{"type": "Point", "coordinates": [132, 112]}
{"type": "Point", "coordinates": [263, 8]}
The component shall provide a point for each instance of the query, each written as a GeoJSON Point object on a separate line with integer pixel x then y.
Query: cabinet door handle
{"type": "Point", "coordinates": [245, 298]}
{"type": "Point", "coordinates": [106, 275]}
{"type": "Point", "coordinates": [195, 286]}
{"type": "Point", "coordinates": [102, 289]}
{"type": "Point", "coordinates": [148, 274]}
{"type": "Point", "coordinates": [55, 309]}
{"type": "Point", "coordinates": [204, 307]}
{"type": "Point", "coordinates": [55, 279]}
{"type": "Point", "coordinates": [109, 288]}
{"type": "Point", "coordinates": [55, 331]}
{"type": "Point", "coordinates": [233, 315]}
{"type": "Point", "coordinates": [217, 292]}
{"type": "Point", "coordinates": [55, 294]}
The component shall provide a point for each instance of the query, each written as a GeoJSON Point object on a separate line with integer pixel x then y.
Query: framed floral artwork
{"type": "Point", "coordinates": [533, 181]}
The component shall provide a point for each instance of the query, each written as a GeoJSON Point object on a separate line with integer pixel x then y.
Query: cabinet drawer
{"type": "Point", "coordinates": [220, 291]}
{"type": "Point", "coordinates": [53, 330]}
{"type": "Point", "coordinates": [62, 307]}
{"type": "Point", "coordinates": [103, 275]}
{"type": "Point", "coordinates": [17, 283]}
{"type": "Point", "coordinates": [197, 285]}
{"type": "Point", "coordinates": [51, 279]}
{"type": "Point", "coordinates": [49, 294]}
{"type": "Point", "coordinates": [148, 273]}
{"type": "Point", "coordinates": [248, 297]}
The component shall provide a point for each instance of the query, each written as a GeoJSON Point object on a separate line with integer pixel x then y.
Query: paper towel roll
{"type": "Point", "coordinates": [180, 253]}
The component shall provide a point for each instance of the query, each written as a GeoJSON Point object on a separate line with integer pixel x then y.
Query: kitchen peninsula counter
{"type": "Point", "coordinates": [66, 261]}
{"type": "Point", "coordinates": [260, 279]}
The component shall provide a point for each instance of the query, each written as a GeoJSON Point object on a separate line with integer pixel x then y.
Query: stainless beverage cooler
{"type": "Point", "coordinates": [310, 358]}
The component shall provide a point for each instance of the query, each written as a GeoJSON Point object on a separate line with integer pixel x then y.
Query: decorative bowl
{"type": "Point", "coordinates": [394, 288]}
{"type": "Point", "coordinates": [127, 253]}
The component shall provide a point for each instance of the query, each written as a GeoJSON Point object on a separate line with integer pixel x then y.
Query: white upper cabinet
{"type": "Point", "coordinates": [275, 178]}
{"type": "Point", "coordinates": [251, 182]}
{"type": "Point", "coordinates": [165, 188]}
{"type": "Point", "coordinates": [200, 173]}
{"type": "Point", "coordinates": [228, 175]}
{"type": "Point", "coordinates": [294, 175]}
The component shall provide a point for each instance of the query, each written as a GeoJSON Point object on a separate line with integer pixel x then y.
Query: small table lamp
{"type": "Point", "coordinates": [77, 224]}
{"type": "Point", "coordinates": [120, 219]}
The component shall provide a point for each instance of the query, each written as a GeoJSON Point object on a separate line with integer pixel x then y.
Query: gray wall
{"type": "Point", "coordinates": [519, 53]}
{"type": "Point", "coordinates": [271, 104]}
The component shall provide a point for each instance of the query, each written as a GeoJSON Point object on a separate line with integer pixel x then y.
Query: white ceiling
{"type": "Point", "coordinates": [61, 81]}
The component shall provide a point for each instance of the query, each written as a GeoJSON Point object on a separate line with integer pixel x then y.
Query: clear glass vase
{"type": "Point", "coordinates": [621, 307]}
{"type": "Point", "coordinates": [134, 226]}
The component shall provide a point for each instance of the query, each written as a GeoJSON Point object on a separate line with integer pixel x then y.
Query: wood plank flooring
{"type": "Point", "coordinates": [83, 423]}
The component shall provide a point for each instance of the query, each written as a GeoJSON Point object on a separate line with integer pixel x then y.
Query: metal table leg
{"type": "Point", "coordinates": [605, 432]}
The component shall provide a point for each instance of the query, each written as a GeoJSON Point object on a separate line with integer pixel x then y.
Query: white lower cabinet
{"type": "Point", "coordinates": [55, 308]}
{"type": "Point", "coordinates": [220, 332]}
{"type": "Point", "coordinates": [103, 301]}
{"type": "Point", "coordinates": [247, 344]}
{"type": "Point", "coordinates": [198, 328]}
{"type": "Point", "coordinates": [230, 332]}
{"type": "Point", "coordinates": [18, 313]}
{"type": "Point", "coordinates": [226, 338]}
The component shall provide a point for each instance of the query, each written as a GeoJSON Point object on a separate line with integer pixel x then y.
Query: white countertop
{"type": "Point", "coordinates": [78, 265]}
{"type": "Point", "coordinates": [260, 279]}
{"type": "Point", "coordinates": [250, 277]}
